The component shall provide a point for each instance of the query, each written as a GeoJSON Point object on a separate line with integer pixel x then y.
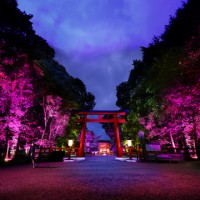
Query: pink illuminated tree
{"type": "Point", "coordinates": [17, 96]}
{"type": "Point", "coordinates": [183, 110]}
{"type": "Point", "coordinates": [179, 119]}
{"type": "Point", "coordinates": [55, 120]}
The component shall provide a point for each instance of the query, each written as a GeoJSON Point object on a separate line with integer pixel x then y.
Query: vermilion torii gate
{"type": "Point", "coordinates": [115, 120]}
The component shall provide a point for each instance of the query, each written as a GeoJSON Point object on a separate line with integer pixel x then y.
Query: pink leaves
{"type": "Point", "coordinates": [179, 115]}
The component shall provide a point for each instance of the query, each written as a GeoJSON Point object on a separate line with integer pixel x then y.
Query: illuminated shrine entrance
{"type": "Point", "coordinates": [117, 118]}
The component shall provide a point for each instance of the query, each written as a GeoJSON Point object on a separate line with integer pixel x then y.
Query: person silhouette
{"type": "Point", "coordinates": [34, 155]}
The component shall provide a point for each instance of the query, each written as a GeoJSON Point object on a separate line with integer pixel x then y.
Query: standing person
{"type": "Point", "coordinates": [34, 155]}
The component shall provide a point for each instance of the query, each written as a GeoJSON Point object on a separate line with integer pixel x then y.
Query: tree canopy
{"type": "Point", "coordinates": [162, 90]}
{"type": "Point", "coordinates": [37, 94]}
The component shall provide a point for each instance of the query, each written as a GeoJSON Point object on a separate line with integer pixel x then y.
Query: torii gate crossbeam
{"type": "Point", "coordinates": [115, 120]}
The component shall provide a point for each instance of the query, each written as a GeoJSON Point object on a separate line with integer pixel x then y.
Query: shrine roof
{"type": "Point", "coordinates": [99, 141]}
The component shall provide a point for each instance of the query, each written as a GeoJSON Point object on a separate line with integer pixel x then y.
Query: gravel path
{"type": "Point", "coordinates": [101, 178]}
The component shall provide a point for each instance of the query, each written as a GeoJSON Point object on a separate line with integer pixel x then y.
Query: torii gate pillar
{"type": "Point", "coordinates": [117, 137]}
{"type": "Point", "coordinates": [82, 138]}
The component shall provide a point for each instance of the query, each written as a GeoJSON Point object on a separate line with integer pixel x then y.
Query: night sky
{"type": "Point", "coordinates": [97, 40]}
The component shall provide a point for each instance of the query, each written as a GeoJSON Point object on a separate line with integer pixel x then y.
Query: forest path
{"type": "Point", "coordinates": [99, 178]}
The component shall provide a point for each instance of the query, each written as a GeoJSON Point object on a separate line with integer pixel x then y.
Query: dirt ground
{"type": "Point", "coordinates": [99, 178]}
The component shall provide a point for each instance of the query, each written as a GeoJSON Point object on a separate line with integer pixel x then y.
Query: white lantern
{"type": "Point", "coordinates": [70, 143]}
{"type": "Point", "coordinates": [129, 142]}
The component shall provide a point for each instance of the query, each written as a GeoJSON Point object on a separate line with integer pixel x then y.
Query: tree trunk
{"type": "Point", "coordinates": [7, 144]}
{"type": "Point", "coordinates": [194, 137]}
{"type": "Point", "coordinates": [187, 155]}
{"type": "Point", "coordinates": [172, 141]}
{"type": "Point", "coordinates": [45, 117]}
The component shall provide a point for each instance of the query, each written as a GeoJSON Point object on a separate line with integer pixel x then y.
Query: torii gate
{"type": "Point", "coordinates": [116, 119]}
